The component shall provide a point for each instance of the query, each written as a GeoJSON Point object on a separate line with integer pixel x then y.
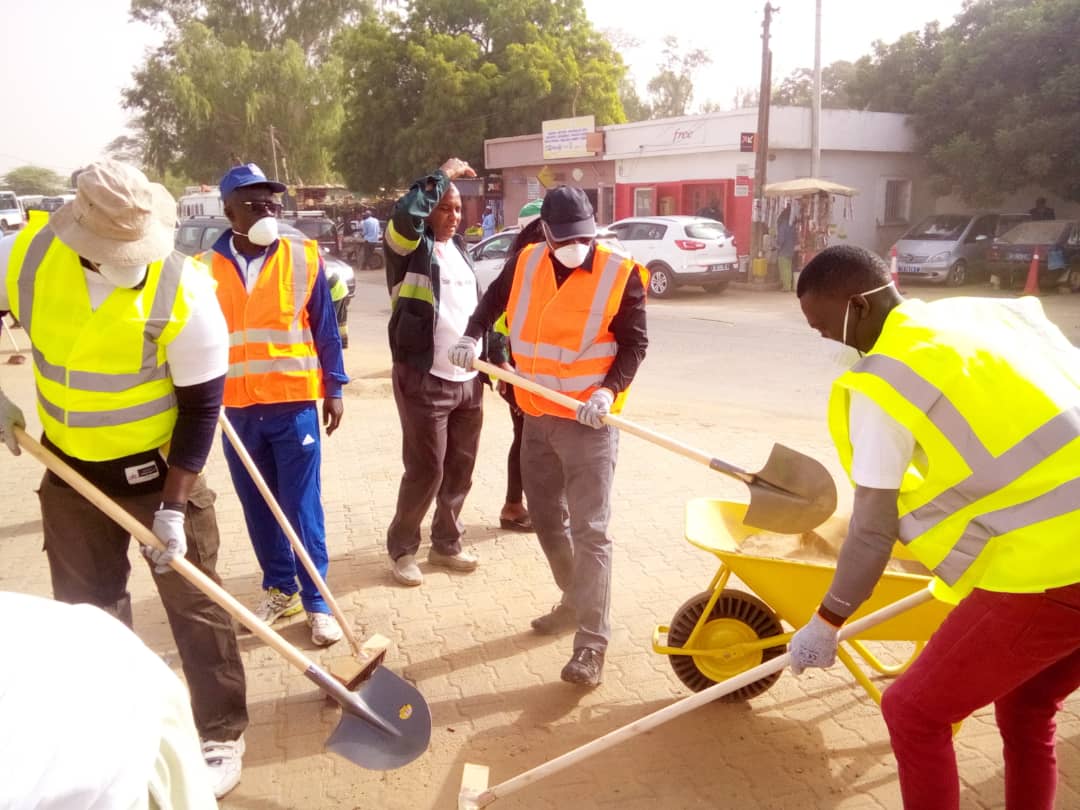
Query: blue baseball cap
{"type": "Point", "coordinates": [247, 175]}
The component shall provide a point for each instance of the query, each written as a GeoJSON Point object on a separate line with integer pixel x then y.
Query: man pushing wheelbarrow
{"type": "Point", "coordinates": [960, 429]}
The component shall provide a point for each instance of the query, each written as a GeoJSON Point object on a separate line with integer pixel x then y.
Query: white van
{"type": "Point", "coordinates": [11, 212]}
{"type": "Point", "coordinates": [201, 204]}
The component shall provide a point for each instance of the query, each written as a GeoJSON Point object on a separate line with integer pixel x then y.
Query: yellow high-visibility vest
{"type": "Point", "coordinates": [991, 392]}
{"type": "Point", "coordinates": [103, 384]}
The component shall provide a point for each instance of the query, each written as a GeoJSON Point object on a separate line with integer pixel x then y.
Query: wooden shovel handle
{"type": "Point", "coordinates": [619, 422]}
{"type": "Point", "coordinates": [184, 568]}
{"type": "Point", "coordinates": [290, 532]}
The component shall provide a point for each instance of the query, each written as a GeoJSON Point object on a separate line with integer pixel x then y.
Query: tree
{"type": "Point", "coordinates": [450, 73]}
{"type": "Point", "coordinates": [889, 80]}
{"type": "Point", "coordinates": [34, 180]}
{"type": "Point", "coordinates": [797, 89]}
{"type": "Point", "coordinates": [672, 87]}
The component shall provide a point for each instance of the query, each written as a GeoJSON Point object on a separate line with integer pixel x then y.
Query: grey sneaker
{"type": "Point", "coordinates": [462, 561]}
{"type": "Point", "coordinates": [276, 605]}
{"type": "Point", "coordinates": [324, 629]}
{"type": "Point", "coordinates": [406, 571]}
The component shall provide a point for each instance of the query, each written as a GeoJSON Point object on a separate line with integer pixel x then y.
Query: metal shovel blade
{"type": "Point", "coordinates": [401, 736]}
{"type": "Point", "coordinates": [791, 494]}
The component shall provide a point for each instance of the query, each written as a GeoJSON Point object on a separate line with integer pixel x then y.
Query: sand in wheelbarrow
{"type": "Point", "coordinates": [822, 545]}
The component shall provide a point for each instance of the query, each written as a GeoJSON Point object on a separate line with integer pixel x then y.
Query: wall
{"type": "Point", "coordinates": [520, 184]}
{"type": "Point", "coordinates": [1017, 202]}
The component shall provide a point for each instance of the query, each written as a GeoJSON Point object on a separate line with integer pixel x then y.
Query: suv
{"type": "Point", "coordinates": [950, 248]}
{"type": "Point", "coordinates": [198, 234]}
{"type": "Point", "coordinates": [680, 250]}
{"type": "Point", "coordinates": [320, 228]}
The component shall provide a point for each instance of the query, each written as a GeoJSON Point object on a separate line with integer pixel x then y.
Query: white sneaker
{"type": "Point", "coordinates": [406, 571]}
{"type": "Point", "coordinates": [223, 763]}
{"type": "Point", "coordinates": [462, 561]}
{"type": "Point", "coordinates": [324, 629]}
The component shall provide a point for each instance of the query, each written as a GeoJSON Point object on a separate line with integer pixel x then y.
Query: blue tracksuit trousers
{"type": "Point", "coordinates": [284, 442]}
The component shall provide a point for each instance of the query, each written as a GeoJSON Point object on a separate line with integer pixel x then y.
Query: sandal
{"type": "Point", "coordinates": [518, 524]}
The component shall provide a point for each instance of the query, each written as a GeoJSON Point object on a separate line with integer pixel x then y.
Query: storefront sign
{"type": "Point", "coordinates": [746, 141]}
{"type": "Point", "coordinates": [742, 190]}
{"type": "Point", "coordinates": [493, 186]}
{"type": "Point", "coordinates": [568, 137]}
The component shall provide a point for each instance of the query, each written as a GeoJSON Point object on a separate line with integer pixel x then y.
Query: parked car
{"type": "Point", "coordinates": [320, 228]}
{"type": "Point", "coordinates": [680, 251]}
{"type": "Point", "coordinates": [950, 249]}
{"type": "Point", "coordinates": [489, 255]}
{"type": "Point", "coordinates": [11, 212]}
{"type": "Point", "coordinates": [1057, 242]}
{"type": "Point", "coordinates": [198, 234]}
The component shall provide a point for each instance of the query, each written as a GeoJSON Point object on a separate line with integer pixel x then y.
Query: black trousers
{"type": "Point", "coordinates": [88, 562]}
{"type": "Point", "coordinates": [440, 435]}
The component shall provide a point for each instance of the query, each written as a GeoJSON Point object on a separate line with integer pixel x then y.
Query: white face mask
{"type": "Point", "coordinates": [847, 309]}
{"type": "Point", "coordinates": [264, 232]}
{"type": "Point", "coordinates": [572, 255]}
{"type": "Point", "coordinates": [122, 276]}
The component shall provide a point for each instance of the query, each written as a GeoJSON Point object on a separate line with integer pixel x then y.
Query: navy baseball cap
{"type": "Point", "coordinates": [568, 214]}
{"type": "Point", "coordinates": [247, 175]}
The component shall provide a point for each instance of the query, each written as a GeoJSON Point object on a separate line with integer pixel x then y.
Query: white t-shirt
{"type": "Point", "coordinates": [882, 448]}
{"type": "Point", "coordinates": [200, 351]}
{"type": "Point", "coordinates": [457, 301]}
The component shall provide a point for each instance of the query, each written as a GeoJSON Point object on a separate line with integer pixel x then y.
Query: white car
{"type": "Point", "coordinates": [489, 255]}
{"type": "Point", "coordinates": [680, 250]}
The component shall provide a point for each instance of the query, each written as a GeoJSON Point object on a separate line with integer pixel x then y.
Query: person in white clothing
{"type": "Point", "coordinates": [433, 290]}
{"type": "Point", "coordinates": [124, 737]}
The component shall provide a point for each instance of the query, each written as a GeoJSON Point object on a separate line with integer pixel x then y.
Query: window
{"type": "Point", "coordinates": [706, 230]}
{"type": "Point", "coordinates": [187, 240]}
{"type": "Point", "coordinates": [643, 202]}
{"type": "Point", "coordinates": [984, 227]}
{"type": "Point", "coordinates": [897, 202]}
{"type": "Point", "coordinates": [496, 248]}
{"type": "Point", "coordinates": [210, 235]}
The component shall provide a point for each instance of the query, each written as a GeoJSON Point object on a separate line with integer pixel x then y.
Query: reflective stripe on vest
{"type": "Point", "coordinates": [401, 245]}
{"type": "Point", "coordinates": [272, 356]}
{"type": "Point", "coordinates": [413, 285]}
{"type": "Point", "coordinates": [577, 369]}
{"type": "Point", "coordinates": [988, 474]}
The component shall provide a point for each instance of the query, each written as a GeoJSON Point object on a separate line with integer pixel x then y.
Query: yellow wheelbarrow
{"type": "Point", "coordinates": [723, 631]}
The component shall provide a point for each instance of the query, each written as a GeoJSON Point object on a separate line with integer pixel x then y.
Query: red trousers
{"type": "Point", "coordinates": [1020, 652]}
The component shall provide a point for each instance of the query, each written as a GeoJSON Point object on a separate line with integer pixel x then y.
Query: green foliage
{"type": "Point", "coordinates": [454, 72]}
{"type": "Point", "coordinates": [671, 89]}
{"type": "Point", "coordinates": [33, 180]}
{"type": "Point", "coordinates": [798, 88]}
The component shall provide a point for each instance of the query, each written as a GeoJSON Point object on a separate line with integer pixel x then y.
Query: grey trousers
{"type": "Point", "coordinates": [440, 434]}
{"type": "Point", "coordinates": [567, 469]}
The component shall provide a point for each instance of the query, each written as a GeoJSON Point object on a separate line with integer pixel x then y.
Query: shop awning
{"type": "Point", "coordinates": [807, 185]}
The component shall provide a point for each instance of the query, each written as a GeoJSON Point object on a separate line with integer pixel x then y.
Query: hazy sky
{"type": "Point", "coordinates": [64, 62]}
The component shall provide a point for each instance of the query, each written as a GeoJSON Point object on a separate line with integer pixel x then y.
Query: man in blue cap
{"type": "Point", "coordinates": [284, 354]}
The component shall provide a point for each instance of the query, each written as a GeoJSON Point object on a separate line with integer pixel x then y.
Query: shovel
{"type": "Point", "coordinates": [476, 794]}
{"type": "Point", "coordinates": [384, 724]}
{"type": "Point", "coordinates": [791, 494]}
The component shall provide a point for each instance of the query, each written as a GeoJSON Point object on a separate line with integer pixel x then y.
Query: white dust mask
{"type": "Point", "coordinates": [572, 255]}
{"type": "Point", "coordinates": [123, 275]}
{"type": "Point", "coordinates": [264, 232]}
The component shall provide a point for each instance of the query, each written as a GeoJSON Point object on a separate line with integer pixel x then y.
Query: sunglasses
{"type": "Point", "coordinates": [264, 206]}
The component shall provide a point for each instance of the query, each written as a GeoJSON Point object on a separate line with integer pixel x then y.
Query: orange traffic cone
{"type": "Point", "coordinates": [1032, 285]}
{"type": "Point", "coordinates": [893, 270]}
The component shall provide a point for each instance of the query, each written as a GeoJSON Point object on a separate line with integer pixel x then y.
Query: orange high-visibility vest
{"type": "Point", "coordinates": [272, 355]}
{"type": "Point", "coordinates": [561, 337]}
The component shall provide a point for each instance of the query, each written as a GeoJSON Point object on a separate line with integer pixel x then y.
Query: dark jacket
{"type": "Point", "coordinates": [412, 272]}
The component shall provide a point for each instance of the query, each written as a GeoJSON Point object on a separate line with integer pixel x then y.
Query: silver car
{"type": "Point", "coordinates": [950, 248]}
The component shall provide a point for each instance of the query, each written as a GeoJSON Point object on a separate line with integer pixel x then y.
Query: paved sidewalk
{"type": "Point", "coordinates": [493, 686]}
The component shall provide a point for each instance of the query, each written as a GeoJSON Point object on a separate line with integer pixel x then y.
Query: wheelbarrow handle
{"type": "Point", "coordinates": [681, 707]}
{"type": "Point", "coordinates": [619, 422]}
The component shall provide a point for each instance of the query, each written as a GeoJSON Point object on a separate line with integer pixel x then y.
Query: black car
{"type": "Point", "coordinates": [1057, 243]}
{"type": "Point", "coordinates": [320, 228]}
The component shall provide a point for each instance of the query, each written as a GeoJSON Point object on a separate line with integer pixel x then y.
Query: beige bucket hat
{"type": "Point", "coordinates": [117, 217]}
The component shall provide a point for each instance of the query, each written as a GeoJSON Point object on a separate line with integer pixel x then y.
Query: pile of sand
{"type": "Point", "coordinates": [820, 546]}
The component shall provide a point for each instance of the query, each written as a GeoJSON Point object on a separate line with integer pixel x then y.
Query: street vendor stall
{"type": "Point", "coordinates": [815, 206]}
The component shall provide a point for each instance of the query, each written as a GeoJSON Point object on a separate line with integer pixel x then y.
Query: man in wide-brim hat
{"type": "Point", "coordinates": [130, 353]}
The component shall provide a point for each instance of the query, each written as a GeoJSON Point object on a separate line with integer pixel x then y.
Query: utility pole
{"type": "Point", "coordinates": [761, 139]}
{"type": "Point", "coordinates": [815, 101]}
{"type": "Point", "coordinates": [273, 151]}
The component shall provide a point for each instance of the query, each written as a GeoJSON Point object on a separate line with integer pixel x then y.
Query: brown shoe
{"type": "Point", "coordinates": [561, 619]}
{"type": "Point", "coordinates": [584, 667]}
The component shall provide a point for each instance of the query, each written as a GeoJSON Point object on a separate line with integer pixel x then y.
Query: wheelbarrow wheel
{"type": "Point", "coordinates": [736, 618]}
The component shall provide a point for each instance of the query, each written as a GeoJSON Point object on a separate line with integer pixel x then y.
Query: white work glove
{"type": "Point", "coordinates": [169, 528]}
{"type": "Point", "coordinates": [463, 353]}
{"type": "Point", "coordinates": [11, 417]}
{"type": "Point", "coordinates": [814, 645]}
{"type": "Point", "coordinates": [592, 411]}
